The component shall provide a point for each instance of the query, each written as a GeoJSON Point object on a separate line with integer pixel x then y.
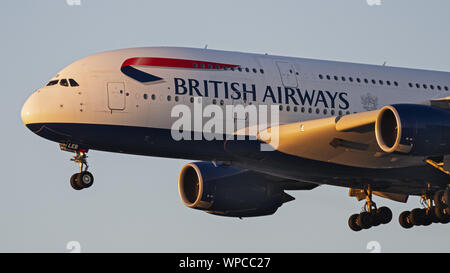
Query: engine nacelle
{"type": "Point", "coordinates": [413, 129]}
{"type": "Point", "coordinates": [229, 191]}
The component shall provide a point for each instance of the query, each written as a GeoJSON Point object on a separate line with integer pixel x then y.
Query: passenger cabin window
{"type": "Point", "coordinates": [51, 83]}
{"type": "Point", "coordinates": [64, 82]}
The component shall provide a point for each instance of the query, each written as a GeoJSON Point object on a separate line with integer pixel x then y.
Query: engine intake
{"type": "Point", "coordinates": [413, 129]}
{"type": "Point", "coordinates": [229, 191]}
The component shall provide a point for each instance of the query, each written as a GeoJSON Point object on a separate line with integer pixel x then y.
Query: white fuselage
{"type": "Point", "coordinates": [340, 94]}
{"type": "Point", "coordinates": [114, 88]}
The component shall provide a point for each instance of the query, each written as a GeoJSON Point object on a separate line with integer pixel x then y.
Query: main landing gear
{"type": "Point", "coordinates": [83, 179]}
{"type": "Point", "coordinates": [371, 216]}
{"type": "Point", "coordinates": [436, 210]}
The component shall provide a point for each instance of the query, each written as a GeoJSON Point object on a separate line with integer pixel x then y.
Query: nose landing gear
{"type": "Point", "coordinates": [83, 179]}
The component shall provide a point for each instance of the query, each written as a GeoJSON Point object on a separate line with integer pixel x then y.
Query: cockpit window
{"type": "Point", "coordinates": [64, 82]}
{"type": "Point", "coordinates": [73, 82]}
{"type": "Point", "coordinates": [50, 83]}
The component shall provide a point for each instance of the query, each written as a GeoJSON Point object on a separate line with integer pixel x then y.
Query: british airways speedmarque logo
{"type": "Point", "coordinates": [129, 67]}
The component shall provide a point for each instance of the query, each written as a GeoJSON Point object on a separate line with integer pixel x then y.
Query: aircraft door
{"type": "Point", "coordinates": [240, 119]}
{"type": "Point", "coordinates": [116, 96]}
{"type": "Point", "coordinates": [287, 73]}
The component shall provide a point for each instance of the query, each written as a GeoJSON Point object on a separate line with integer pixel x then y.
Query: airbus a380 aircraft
{"type": "Point", "coordinates": [374, 129]}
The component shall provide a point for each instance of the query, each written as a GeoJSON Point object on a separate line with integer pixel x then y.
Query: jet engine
{"type": "Point", "coordinates": [413, 129]}
{"type": "Point", "coordinates": [229, 191]}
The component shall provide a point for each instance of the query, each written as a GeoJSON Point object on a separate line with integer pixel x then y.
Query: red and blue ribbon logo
{"type": "Point", "coordinates": [129, 67]}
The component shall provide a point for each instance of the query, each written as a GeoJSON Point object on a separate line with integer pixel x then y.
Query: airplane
{"type": "Point", "coordinates": [374, 129]}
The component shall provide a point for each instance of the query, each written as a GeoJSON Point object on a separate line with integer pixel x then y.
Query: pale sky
{"type": "Point", "coordinates": [134, 204]}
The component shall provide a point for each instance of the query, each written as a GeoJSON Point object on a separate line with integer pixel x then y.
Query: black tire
{"type": "Point", "coordinates": [404, 220]}
{"type": "Point", "coordinates": [427, 217]}
{"type": "Point", "coordinates": [73, 182]}
{"type": "Point", "coordinates": [385, 215]}
{"type": "Point", "coordinates": [376, 218]}
{"type": "Point", "coordinates": [441, 214]}
{"type": "Point", "coordinates": [364, 220]}
{"type": "Point", "coordinates": [437, 198]}
{"type": "Point", "coordinates": [352, 223]}
{"type": "Point", "coordinates": [446, 197]}
{"type": "Point", "coordinates": [85, 180]}
{"type": "Point", "coordinates": [417, 217]}
{"type": "Point", "coordinates": [432, 214]}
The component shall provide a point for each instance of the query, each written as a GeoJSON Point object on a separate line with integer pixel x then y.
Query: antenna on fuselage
{"type": "Point", "coordinates": [206, 46]}
{"type": "Point", "coordinates": [384, 64]}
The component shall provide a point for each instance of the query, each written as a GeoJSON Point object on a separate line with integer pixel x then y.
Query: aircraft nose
{"type": "Point", "coordinates": [30, 110]}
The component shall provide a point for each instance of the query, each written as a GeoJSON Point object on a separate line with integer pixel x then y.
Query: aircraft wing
{"type": "Point", "coordinates": [348, 140]}
{"type": "Point", "coordinates": [443, 103]}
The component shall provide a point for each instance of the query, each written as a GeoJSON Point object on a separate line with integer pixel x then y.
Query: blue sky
{"type": "Point", "coordinates": [134, 204]}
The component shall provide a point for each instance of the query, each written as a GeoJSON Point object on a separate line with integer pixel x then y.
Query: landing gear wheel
{"type": "Point", "coordinates": [384, 214]}
{"type": "Point", "coordinates": [417, 217]}
{"type": "Point", "coordinates": [446, 197]}
{"type": "Point", "coordinates": [432, 215]}
{"type": "Point", "coordinates": [353, 224]}
{"type": "Point", "coordinates": [436, 209]}
{"type": "Point", "coordinates": [426, 220]}
{"type": "Point", "coordinates": [437, 198]}
{"type": "Point", "coordinates": [85, 179]}
{"type": "Point", "coordinates": [370, 215]}
{"type": "Point", "coordinates": [404, 220]}
{"type": "Point", "coordinates": [376, 218]}
{"type": "Point", "coordinates": [364, 220]}
{"type": "Point", "coordinates": [73, 182]}
{"type": "Point", "coordinates": [441, 214]}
